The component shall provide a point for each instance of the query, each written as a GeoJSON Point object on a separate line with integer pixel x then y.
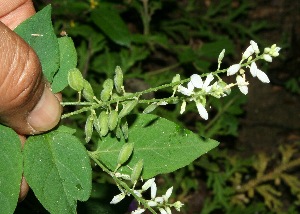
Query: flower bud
{"type": "Point", "coordinates": [116, 199]}
{"type": "Point", "coordinates": [88, 92]}
{"type": "Point", "coordinates": [88, 129]}
{"type": "Point", "coordinates": [125, 130]}
{"type": "Point", "coordinates": [118, 79]}
{"type": "Point", "coordinates": [127, 108]}
{"type": "Point", "coordinates": [107, 90]}
{"type": "Point", "coordinates": [125, 153]}
{"type": "Point", "coordinates": [148, 184]}
{"type": "Point", "coordinates": [113, 120]}
{"type": "Point", "coordinates": [137, 170]}
{"type": "Point", "coordinates": [221, 56]}
{"type": "Point", "coordinates": [150, 108]}
{"type": "Point", "coordinates": [103, 122]}
{"type": "Point", "coordinates": [75, 79]}
{"type": "Point", "coordinates": [233, 69]}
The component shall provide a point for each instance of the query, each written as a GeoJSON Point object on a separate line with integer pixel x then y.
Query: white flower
{"type": "Point", "coordinates": [168, 210]}
{"type": "Point", "coordinates": [262, 76]}
{"type": "Point", "coordinates": [138, 211]}
{"type": "Point", "coordinates": [233, 69]}
{"type": "Point", "coordinates": [168, 194]}
{"type": "Point", "coordinates": [148, 184]}
{"type": "Point", "coordinates": [196, 80]}
{"type": "Point", "coordinates": [202, 111]}
{"type": "Point", "coordinates": [162, 211]}
{"type": "Point", "coordinates": [267, 57]}
{"type": "Point", "coordinates": [242, 84]}
{"type": "Point", "coordinates": [248, 52]}
{"type": "Point", "coordinates": [259, 73]}
{"type": "Point", "coordinates": [253, 69]}
{"type": "Point", "coordinates": [186, 91]}
{"type": "Point", "coordinates": [153, 190]}
{"type": "Point", "coordinates": [116, 199]}
{"type": "Point", "coordinates": [254, 46]}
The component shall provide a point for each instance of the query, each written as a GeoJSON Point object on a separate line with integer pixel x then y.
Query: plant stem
{"type": "Point", "coordinates": [92, 155]}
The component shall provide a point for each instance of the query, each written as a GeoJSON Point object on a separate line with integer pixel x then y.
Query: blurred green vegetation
{"type": "Point", "coordinates": [154, 40]}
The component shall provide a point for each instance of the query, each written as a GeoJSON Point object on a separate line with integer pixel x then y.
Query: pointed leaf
{"type": "Point", "coordinates": [68, 60]}
{"type": "Point", "coordinates": [163, 145]}
{"type": "Point", "coordinates": [110, 22]}
{"type": "Point", "coordinates": [10, 169]}
{"type": "Point", "coordinates": [38, 32]}
{"type": "Point", "coordinates": [57, 168]}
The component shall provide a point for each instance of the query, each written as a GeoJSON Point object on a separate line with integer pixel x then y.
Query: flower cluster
{"type": "Point", "coordinates": [161, 202]}
{"type": "Point", "coordinates": [273, 51]}
{"type": "Point", "coordinates": [197, 90]}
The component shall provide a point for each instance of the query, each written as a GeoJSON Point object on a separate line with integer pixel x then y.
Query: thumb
{"type": "Point", "coordinates": [26, 103]}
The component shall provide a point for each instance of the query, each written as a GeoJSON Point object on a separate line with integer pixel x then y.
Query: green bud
{"type": "Point", "coordinates": [118, 132]}
{"type": "Point", "coordinates": [125, 130]}
{"type": "Point", "coordinates": [108, 86]}
{"type": "Point", "coordinates": [96, 124]}
{"type": "Point", "coordinates": [88, 129]}
{"type": "Point", "coordinates": [103, 122]}
{"type": "Point", "coordinates": [113, 120]}
{"type": "Point", "coordinates": [118, 79]}
{"type": "Point", "coordinates": [125, 153]}
{"type": "Point", "coordinates": [176, 78]}
{"type": "Point", "coordinates": [87, 92]}
{"type": "Point", "coordinates": [150, 108]}
{"type": "Point", "coordinates": [127, 108]}
{"type": "Point", "coordinates": [75, 79]}
{"type": "Point", "coordinates": [137, 170]}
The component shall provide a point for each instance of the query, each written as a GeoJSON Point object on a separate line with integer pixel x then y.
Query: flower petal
{"type": "Point", "coordinates": [196, 80]}
{"type": "Point", "coordinates": [248, 52]}
{"type": "Point", "coordinates": [233, 69]}
{"type": "Point", "coordinates": [148, 184]}
{"type": "Point", "coordinates": [185, 91]}
{"type": "Point", "coordinates": [116, 199]}
{"type": "Point", "coordinates": [207, 81]}
{"type": "Point", "coordinates": [267, 57]}
{"type": "Point", "coordinates": [262, 76]}
{"type": "Point", "coordinates": [254, 46]}
{"type": "Point", "coordinates": [244, 89]}
{"type": "Point", "coordinates": [202, 111]}
{"type": "Point", "coordinates": [153, 190]}
{"type": "Point", "coordinates": [253, 69]}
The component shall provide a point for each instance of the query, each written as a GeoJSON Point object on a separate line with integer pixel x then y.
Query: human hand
{"type": "Point", "coordinates": [26, 102]}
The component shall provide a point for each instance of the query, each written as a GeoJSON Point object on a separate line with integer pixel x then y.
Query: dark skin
{"type": "Point", "coordinates": [27, 104]}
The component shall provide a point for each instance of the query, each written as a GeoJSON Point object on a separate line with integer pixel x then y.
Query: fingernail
{"type": "Point", "coordinates": [46, 113]}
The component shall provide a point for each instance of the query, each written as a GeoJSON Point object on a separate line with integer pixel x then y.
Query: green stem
{"type": "Point", "coordinates": [120, 183]}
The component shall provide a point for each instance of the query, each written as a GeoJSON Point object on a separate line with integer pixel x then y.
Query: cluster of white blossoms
{"type": "Point", "coordinates": [196, 89]}
{"type": "Point", "coordinates": [160, 202]}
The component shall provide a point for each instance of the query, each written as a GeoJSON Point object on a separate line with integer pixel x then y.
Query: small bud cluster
{"type": "Point", "coordinates": [108, 119]}
{"type": "Point", "coordinates": [159, 202]}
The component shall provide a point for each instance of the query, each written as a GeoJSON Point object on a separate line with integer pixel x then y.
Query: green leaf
{"type": "Point", "coordinates": [38, 32]}
{"type": "Point", "coordinates": [68, 60]}
{"type": "Point", "coordinates": [57, 168]}
{"type": "Point", "coordinates": [10, 169]}
{"type": "Point", "coordinates": [163, 145]}
{"type": "Point", "coordinates": [110, 22]}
